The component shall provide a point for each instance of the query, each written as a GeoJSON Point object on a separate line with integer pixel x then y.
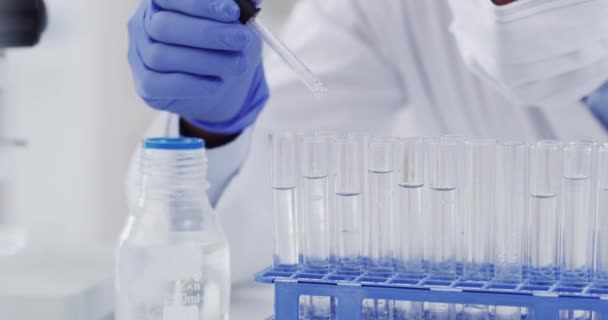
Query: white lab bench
{"type": "Point", "coordinates": [77, 284]}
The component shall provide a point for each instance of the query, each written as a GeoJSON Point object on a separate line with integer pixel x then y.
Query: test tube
{"type": "Point", "coordinates": [460, 208]}
{"type": "Point", "coordinates": [510, 234]}
{"type": "Point", "coordinates": [479, 195]}
{"type": "Point", "coordinates": [363, 138]}
{"type": "Point", "coordinates": [315, 171]}
{"type": "Point", "coordinates": [331, 138]}
{"type": "Point", "coordinates": [315, 163]}
{"type": "Point", "coordinates": [578, 217]}
{"type": "Point", "coordinates": [480, 182]}
{"type": "Point", "coordinates": [409, 233]}
{"type": "Point", "coordinates": [381, 201]}
{"type": "Point", "coordinates": [349, 187]}
{"type": "Point", "coordinates": [444, 163]}
{"type": "Point", "coordinates": [600, 273]}
{"type": "Point", "coordinates": [546, 167]}
{"type": "Point", "coordinates": [443, 205]}
{"type": "Point", "coordinates": [381, 178]}
{"type": "Point", "coordinates": [284, 173]}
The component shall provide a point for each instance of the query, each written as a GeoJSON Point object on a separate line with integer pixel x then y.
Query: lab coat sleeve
{"type": "Point", "coordinates": [365, 94]}
{"type": "Point", "coordinates": [223, 162]}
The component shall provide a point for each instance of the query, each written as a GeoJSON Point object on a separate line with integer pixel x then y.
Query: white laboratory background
{"type": "Point", "coordinates": [72, 99]}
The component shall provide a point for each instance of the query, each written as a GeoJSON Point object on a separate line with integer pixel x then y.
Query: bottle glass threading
{"type": "Point", "coordinates": [480, 181]}
{"type": "Point", "coordinates": [443, 204]}
{"type": "Point", "coordinates": [601, 242]}
{"type": "Point", "coordinates": [381, 203]}
{"type": "Point", "coordinates": [409, 234]}
{"type": "Point", "coordinates": [577, 215]}
{"type": "Point", "coordinates": [510, 233]}
{"type": "Point", "coordinates": [545, 190]}
{"type": "Point", "coordinates": [315, 170]}
{"type": "Point", "coordinates": [349, 186]}
{"type": "Point", "coordinates": [284, 172]}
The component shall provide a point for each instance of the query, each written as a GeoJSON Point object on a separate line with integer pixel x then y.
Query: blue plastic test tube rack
{"type": "Point", "coordinates": [544, 302]}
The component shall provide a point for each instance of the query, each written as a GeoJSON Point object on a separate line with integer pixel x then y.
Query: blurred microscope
{"type": "Point", "coordinates": [39, 282]}
{"type": "Point", "coordinates": [21, 25]}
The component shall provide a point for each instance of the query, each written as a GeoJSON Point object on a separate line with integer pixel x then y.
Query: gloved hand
{"type": "Point", "coordinates": [195, 59]}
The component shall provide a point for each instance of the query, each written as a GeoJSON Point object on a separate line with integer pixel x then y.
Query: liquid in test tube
{"type": "Point", "coordinates": [600, 273]}
{"type": "Point", "coordinates": [349, 187]}
{"type": "Point", "coordinates": [409, 234]}
{"type": "Point", "coordinates": [546, 170]}
{"type": "Point", "coordinates": [511, 229]}
{"type": "Point", "coordinates": [285, 175]}
{"type": "Point", "coordinates": [578, 213]}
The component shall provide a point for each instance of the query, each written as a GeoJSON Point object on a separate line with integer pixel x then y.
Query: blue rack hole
{"type": "Point", "coordinates": [340, 278]}
{"type": "Point", "coordinates": [503, 286]}
{"type": "Point", "coordinates": [379, 275]}
{"type": "Point", "coordinates": [373, 279]}
{"type": "Point", "coordinates": [315, 271]}
{"type": "Point", "coordinates": [566, 284]}
{"type": "Point", "coordinates": [278, 274]}
{"type": "Point", "coordinates": [599, 291]}
{"type": "Point", "coordinates": [437, 283]}
{"type": "Point", "coordinates": [569, 290]}
{"type": "Point", "coordinates": [410, 277]}
{"type": "Point", "coordinates": [353, 274]}
{"type": "Point", "coordinates": [470, 284]}
{"type": "Point", "coordinates": [535, 288]}
{"type": "Point", "coordinates": [311, 276]}
{"type": "Point", "coordinates": [405, 281]}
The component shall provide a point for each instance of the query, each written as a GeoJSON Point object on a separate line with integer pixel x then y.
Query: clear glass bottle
{"type": "Point", "coordinates": [172, 258]}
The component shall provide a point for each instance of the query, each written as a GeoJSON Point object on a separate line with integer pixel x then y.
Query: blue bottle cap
{"type": "Point", "coordinates": [173, 143]}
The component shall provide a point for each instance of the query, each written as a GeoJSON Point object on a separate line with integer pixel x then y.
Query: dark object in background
{"type": "Point", "coordinates": [21, 22]}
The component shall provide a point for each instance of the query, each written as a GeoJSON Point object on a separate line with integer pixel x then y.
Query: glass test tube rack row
{"type": "Point", "coordinates": [445, 207]}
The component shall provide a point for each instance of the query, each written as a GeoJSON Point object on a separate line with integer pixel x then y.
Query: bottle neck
{"type": "Point", "coordinates": [173, 186]}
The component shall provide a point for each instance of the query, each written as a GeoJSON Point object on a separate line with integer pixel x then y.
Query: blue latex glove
{"type": "Point", "coordinates": [195, 59]}
{"type": "Point", "coordinates": [598, 102]}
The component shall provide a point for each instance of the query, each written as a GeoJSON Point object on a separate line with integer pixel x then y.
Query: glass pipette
{"type": "Point", "coordinates": [248, 16]}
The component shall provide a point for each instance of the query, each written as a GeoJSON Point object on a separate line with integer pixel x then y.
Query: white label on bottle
{"type": "Point", "coordinates": [180, 313]}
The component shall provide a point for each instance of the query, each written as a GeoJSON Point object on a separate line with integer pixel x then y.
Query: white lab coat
{"type": "Point", "coordinates": [392, 68]}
